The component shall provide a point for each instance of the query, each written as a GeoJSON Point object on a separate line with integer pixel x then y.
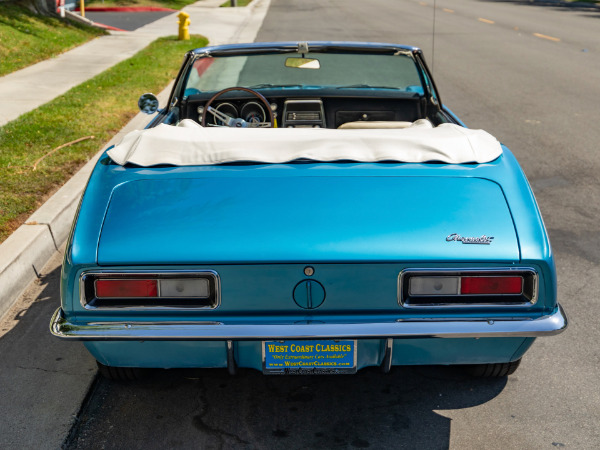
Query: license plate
{"type": "Point", "coordinates": [309, 357]}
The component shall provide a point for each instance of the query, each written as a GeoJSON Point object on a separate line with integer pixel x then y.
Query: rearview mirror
{"type": "Point", "coordinates": [148, 103]}
{"type": "Point", "coordinates": [303, 63]}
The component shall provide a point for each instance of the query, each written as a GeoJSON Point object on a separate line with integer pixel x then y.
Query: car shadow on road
{"type": "Point", "coordinates": [211, 409]}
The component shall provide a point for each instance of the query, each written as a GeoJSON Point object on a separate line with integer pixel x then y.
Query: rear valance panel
{"type": "Point", "coordinates": [307, 219]}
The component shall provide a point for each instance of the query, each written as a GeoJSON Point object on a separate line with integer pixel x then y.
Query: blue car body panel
{"type": "Point", "coordinates": [359, 226]}
{"type": "Point", "coordinates": [318, 218]}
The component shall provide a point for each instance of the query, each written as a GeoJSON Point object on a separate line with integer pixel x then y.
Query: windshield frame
{"type": "Point", "coordinates": [316, 47]}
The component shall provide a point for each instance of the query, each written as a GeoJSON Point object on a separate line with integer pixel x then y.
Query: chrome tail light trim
{"type": "Point", "coordinates": [89, 278]}
{"type": "Point", "coordinates": [526, 299]}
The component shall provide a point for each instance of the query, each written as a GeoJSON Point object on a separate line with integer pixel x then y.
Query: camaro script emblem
{"type": "Point", "coordinates": [470, 240]}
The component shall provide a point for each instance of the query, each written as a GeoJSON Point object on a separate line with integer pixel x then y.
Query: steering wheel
{"type": "Point", "coordinates": [237, 122]}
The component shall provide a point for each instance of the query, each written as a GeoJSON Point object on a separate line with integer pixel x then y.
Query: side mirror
{"type": "Point", "coordinates": [148, 103]}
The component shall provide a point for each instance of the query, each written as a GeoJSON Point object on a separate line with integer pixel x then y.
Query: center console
{"type": "Point", "coordinates": [303, 113]}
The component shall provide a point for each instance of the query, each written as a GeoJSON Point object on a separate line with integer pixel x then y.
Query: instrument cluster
{"type": "Point", "coordinates": [252, 112]}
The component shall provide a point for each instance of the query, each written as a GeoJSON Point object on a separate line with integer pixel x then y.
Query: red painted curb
{"type": "Point", "coordinates": [126, 9]}
{"type": "Point", "coordinates": [108, 27]}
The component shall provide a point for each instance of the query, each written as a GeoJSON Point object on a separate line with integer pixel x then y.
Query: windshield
{"type": "Point", "coordinates": [343, 70]}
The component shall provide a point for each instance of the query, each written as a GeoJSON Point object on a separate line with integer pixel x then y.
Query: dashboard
{"type": "Point", "coordinates": [309, 112]}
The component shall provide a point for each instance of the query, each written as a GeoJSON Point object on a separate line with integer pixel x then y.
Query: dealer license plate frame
{"type": "Point", "coordinates": [310, 367]}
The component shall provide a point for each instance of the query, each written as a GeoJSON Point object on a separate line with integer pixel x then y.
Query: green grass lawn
{"type": "Point", "coordinates": [172, 4]}
{"type": "Point", "coordinates": [27, 38]}
{"type": "Point", "coordinates": [98, 107]}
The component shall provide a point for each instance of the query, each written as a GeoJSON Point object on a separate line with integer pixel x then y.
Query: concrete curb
{"type": "Point", "coordinates": [77, 18]}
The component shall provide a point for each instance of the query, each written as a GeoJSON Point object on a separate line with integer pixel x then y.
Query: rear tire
{"type": "Point", "coordinates": [495, 370]}
{"type": "Point", "coordinates": [119, 373]}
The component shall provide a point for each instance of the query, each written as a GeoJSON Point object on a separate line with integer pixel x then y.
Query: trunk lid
{"type": "Point", "coordinates": [306, 219]}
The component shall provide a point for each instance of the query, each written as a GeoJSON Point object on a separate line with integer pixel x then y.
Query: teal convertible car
{"type": "Point", "coordinates": [307, 208]}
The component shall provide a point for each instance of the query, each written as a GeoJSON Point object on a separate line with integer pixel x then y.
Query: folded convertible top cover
{"type": "Point", "coordinates": [189, 144]}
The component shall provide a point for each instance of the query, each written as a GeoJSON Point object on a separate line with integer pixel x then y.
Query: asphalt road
{"type": "Point", "coordinates": [529, 75]}
{"type": "Point", "coordinates": [128, 21]}
{"type": "Point", "coordinates": [43, 380]}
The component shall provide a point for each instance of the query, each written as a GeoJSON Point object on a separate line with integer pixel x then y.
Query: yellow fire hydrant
{"type": "Point", "coordinates": [184, 26]}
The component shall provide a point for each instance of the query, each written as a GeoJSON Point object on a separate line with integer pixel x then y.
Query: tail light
{"type": "Point", "coordinates": [126, 288]}
{"type": "Point", "coordinates": [148, 290]}
{"type": "Point", "coordinates": [474, 287]}
{"type": "Point", "coordinates": [495, 285]}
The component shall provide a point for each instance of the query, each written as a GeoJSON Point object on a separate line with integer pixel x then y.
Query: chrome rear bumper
{"type": "Point", "coordinates": [554, 323]}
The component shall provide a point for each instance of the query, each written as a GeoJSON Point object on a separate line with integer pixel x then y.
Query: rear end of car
{"type": "Point", "coordinates": [308, 267]}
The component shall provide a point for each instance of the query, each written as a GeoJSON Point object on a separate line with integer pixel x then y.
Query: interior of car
{"type": "Point", "coordinates": [349, 90]}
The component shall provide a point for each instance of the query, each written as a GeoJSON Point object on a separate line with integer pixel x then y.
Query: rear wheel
{"type": "Point", "coordinates": [493, 370]}
{"type": "Point", "coordinates": [119, 373]}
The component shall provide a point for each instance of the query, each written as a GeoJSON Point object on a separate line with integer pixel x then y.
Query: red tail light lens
{"type": "Point", "coordinates": [491, 285]}
{"type": "Point", "coordinates": [126, 288]}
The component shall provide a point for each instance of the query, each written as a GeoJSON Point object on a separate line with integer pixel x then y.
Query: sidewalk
{"type": "Point", "coordinates": [28, 249]}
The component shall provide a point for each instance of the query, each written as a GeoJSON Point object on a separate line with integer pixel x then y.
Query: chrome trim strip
{"type": "Point", "coordinates": [156, 273]}
{"type": "Point", "coordinates": [484, 272]}
{"type": "Point", "coordinates": [552, 324]}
